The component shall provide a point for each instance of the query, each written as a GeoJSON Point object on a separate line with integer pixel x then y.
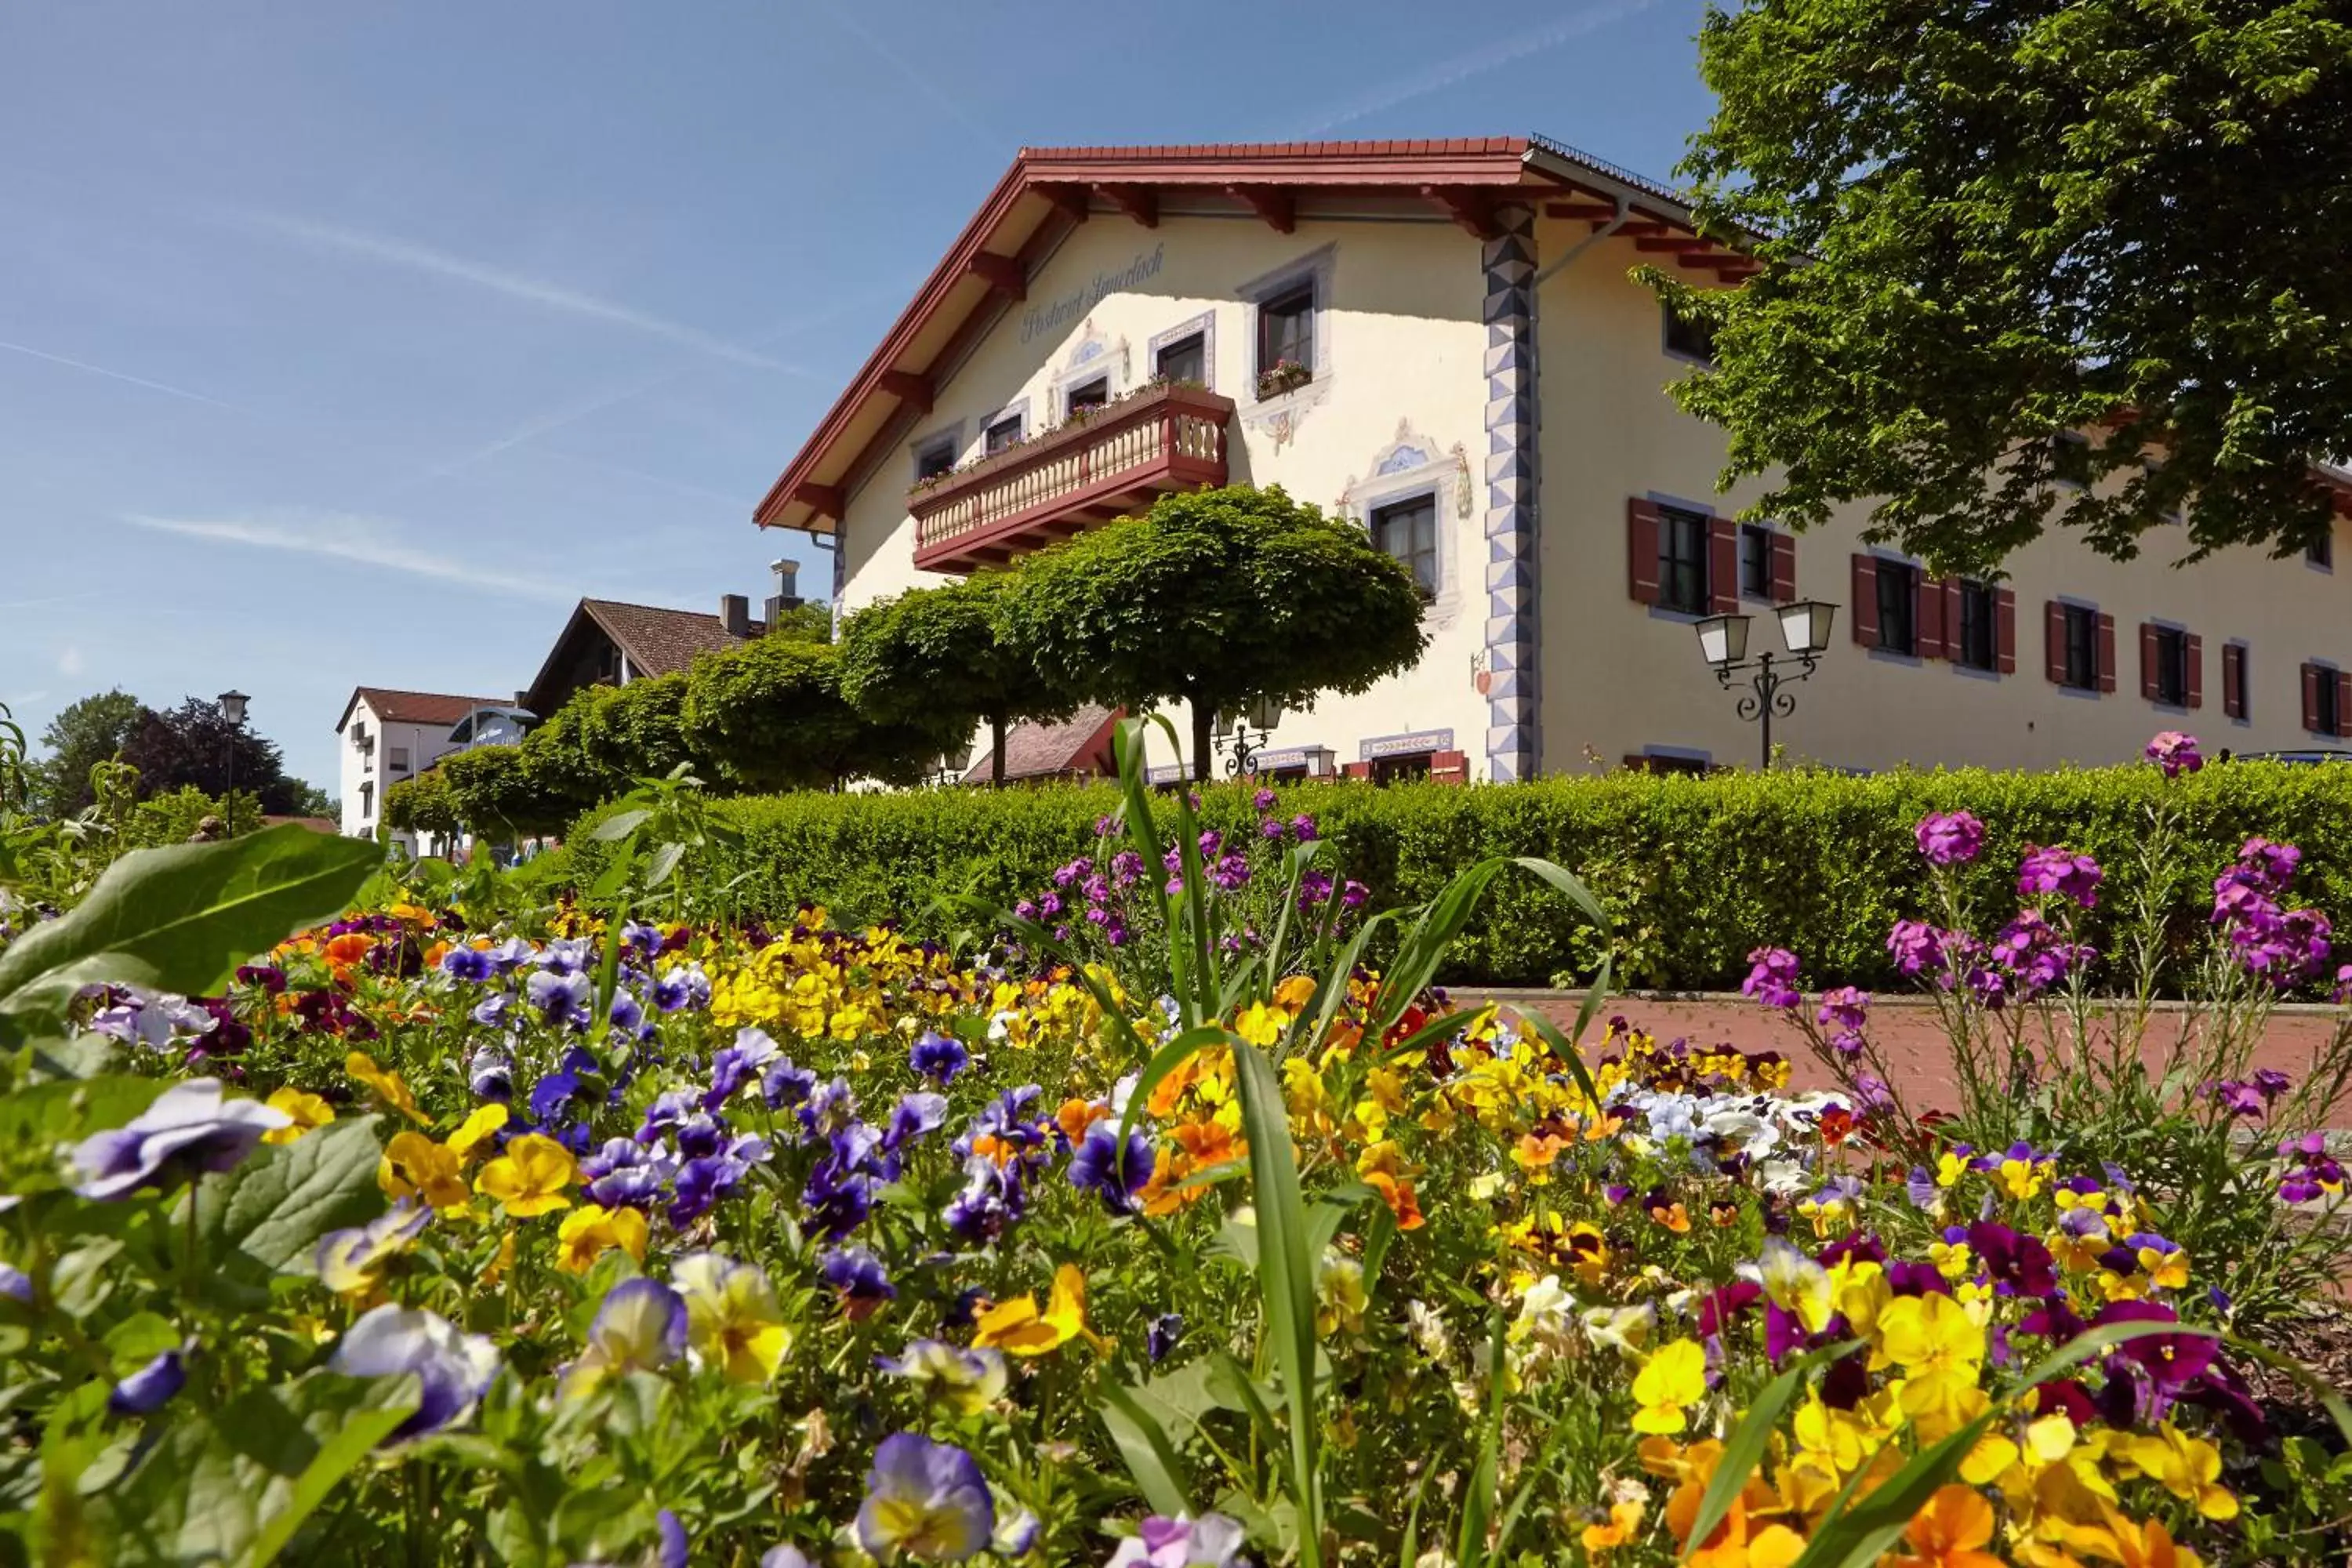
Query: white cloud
{"type": "Point", "coordinates": [1478, 62]}
{"type": "Point", "coordinates": [69, 660]}
{"type": "Point", "coordinates": [347, 536]}
{"type": "Point", "coordinates": [542, 292]}
{"type": "Point", "coordinates": [164, 387]}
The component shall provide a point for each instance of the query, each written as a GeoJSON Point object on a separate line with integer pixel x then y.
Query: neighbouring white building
{"type": "Point", "coordinates": [388, 736]}
{"type": "Point", "coordinates": [1440, 341]}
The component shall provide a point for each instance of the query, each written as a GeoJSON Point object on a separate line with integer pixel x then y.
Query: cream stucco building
{"type": "Point", "coordinates": [1440, 339]}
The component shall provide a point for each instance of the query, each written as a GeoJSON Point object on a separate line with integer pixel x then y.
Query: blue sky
{"type": "Point", "coordinates": [349, 345]}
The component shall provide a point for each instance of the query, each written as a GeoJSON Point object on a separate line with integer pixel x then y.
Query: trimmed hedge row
{"type": "Point", "coordinates": [1696, 870]}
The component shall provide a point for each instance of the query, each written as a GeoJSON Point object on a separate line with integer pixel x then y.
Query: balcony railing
{"type": "Point", "coordinates": [1169, 437]}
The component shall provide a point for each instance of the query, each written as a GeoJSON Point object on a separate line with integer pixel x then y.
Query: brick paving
{"type": "Point", "coordinates": [1908, 1033]}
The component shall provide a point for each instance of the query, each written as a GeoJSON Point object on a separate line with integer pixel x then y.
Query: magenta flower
{"type": "Point", "coordinates": [2060, 872]}
{"type": "Point", "coordinates": [1950, 837]}
{"type": "Point", "coordinates": [1772, 979]}
{"type": "Point", "coordinates": [1845, 1008]}
{"type": "Point", "coordinates": [2176, 753]}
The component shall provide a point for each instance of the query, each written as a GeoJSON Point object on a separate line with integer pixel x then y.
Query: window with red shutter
{"type": "Point", "coordinates": [1784, 568]}
{"type": "Point", "coordinates": [2343, 688]}
{"type": "Point", "coordinates": [1866, 601]}
{"type": "Point", "coordinates": [1722, 566]}
{"type": "Point", "coordinates": [2106, 653]}
{"type": "Point", "coordinates": [1928, 615]}
{"type": "Point", "coordinates": [2054, 625]}
{"type": "Point", "coordinates": [2195, 656]}
{"type": "Point", "coordinates": [1641, 550]}
{"type": "Point", "coordinates": [2005, 629]}
{"type": "Point", "coordinates": [2311, 673]}
{"type": "Point", "coordinates": [2233, 680]}
{"type": "Point", "coordinates": [2148, 686]}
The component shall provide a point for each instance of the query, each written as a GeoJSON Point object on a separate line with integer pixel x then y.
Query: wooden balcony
{"type": "Point", "coordinates": [1169, 437]}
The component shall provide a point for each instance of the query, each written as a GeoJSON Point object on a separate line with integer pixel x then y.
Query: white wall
{"type": "Point", "coordinates": [424, 744]}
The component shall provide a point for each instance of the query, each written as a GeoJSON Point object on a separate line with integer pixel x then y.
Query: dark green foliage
{"type": "Point", "coordinates": [810, 622]}
{"type": "Point", "coordinates": [769, 714]}
{"type": "Point", "coordinates": [196, 745]}
{"type": "Point", "coordinates": [938, 655]}
{"type": "Point", "coordinates": [1696, 872]}
{"type": "Point", "coordinates": [1992, 224]}
{"type": "Point", "coordinates": [424, 804]}
{"type": "Point", "coordinates": [1214, 598]}
{"type": "Point", "coordinates": [85, 733]}
{"type": "Point", "coordinates": [499, 797]}
{"type": "Point", "coordinates": [639, 731]}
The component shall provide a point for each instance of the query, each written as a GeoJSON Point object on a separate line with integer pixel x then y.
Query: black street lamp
{"type": "Point", "coordinates": [1235, 737]}
{"type": "Point", "coordinates": [1723, 643]}
{"type": "Point", "coordinates": [952, 763]}
{"type": "Point", "coordinates": [232, 707]}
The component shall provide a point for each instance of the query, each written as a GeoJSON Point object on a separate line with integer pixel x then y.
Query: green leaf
{"type": "Point", "coordinates": [1285, 1280]}
{"type": "Point", "coordinates": [265, 1217]}
{"type": "Point", "coordinates": [2091, 1342]}
{"type": "Point", "coordinates": [619, 826]}
{"type": "Point", "coordinates": [180, 919]}
{"type": "Point", "coordinates": [1152, 1458]}
{"type": "Point", "coordinates": [235, 1485]}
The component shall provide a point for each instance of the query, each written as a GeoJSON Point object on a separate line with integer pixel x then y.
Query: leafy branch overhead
{"type": "Point", "coordinates": [2034, 266]}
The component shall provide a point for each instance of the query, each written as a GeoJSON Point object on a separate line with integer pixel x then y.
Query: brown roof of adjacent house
{"type": "Point", "coordinates": [391, 706]}
{"type": "Point", "coordinates": [1079, 747]}
{"type": "Point", "coordinates": [660, 641]}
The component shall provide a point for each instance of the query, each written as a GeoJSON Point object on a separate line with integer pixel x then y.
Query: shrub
{"type": "Point", "coordinates": [1695, 871]}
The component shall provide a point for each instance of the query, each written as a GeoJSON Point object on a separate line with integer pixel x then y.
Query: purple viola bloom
{"type": "Point", "coordinates": [150, 1388]}
{"type": "Point", "coordinates": [2060, 872]}
{"type": "Point", "coordinates": [991, 1200]}
{"type": "Point", "coordinates": [560, 996]}
{"type": "Point", "coordinates": [2175, 754]}
{"type": "Point", "coordinates": [1950, 837]}
{"type": "Point", "coordinates": [490, 1075]}
{"type": "Point", "coordinates": [858, 1279]}
{"type": "Point", "coordinates": [1113, 1171]}
{"type": "Point", "coordinates": [911, 1117]}
{"type": "Point", "coordinates": [16, 1285]}
{"type": "Point", "coordinates": [926, 1500]}
{"type": "Point", "coordinates": [2238, 1098]}
{"type": "Point", "coordinates": [627, 1014]}
{"type": "Point", "coordinates": [470, 964]}
{"type": "Point", "coordinates": [491, 1011]}
{"type": "Point", "coordinates": [1161, 1336]}
{"type": "Point", "coordinates": [453, 1369]}
{"type": "Point", "coordinates": [829, 1107]}
{"type": "Point", "coordinates": [838, 1199]}
{"type": "Point", "coordinates": [1772, 978]}
{"type": "Point", "coordinates": [938, 1057]}
{"type": "Point", "coordinates": [1264, 800]}
{"type": "Point", "coordinates": [1211, 1540]}
{"type": "Point", "coordinates": [668, 1110]}
{"type": "Point", "coordinates": [188, 1131]}
{"type": "Point", "coordinates": [2158, 1368]}
{"type": "Point", "coordinates": [1904, 1277]}
{"type": "Point", "coordinates": [2020, 1265]}
{"type": "Point", "coordinates": [734, 1066]}
{"type": "Point", "coordinates": [700, 1136]}
{"type": "Point", "coordinates": [783, 1084]}
{"type": "Point", "coordinates": [670, 1548]}
{"type": "Point", "coordinates": [1921, 1189]}
{"type": "Point", "coordinates": [1274, 830]}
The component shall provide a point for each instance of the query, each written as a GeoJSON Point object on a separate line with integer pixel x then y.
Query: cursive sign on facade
{"type": "Point", "coordinates": [1072, 306]}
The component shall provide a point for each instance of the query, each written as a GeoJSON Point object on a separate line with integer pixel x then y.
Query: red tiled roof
{"type": "Point", "coordinates": [660, 641]}
{"type": "Point", "coordinates": [1044, 194]}
{"type": "Point", "coordinates": [391, 706]}
{"type": "Point", "coordinates": [1079, 745]}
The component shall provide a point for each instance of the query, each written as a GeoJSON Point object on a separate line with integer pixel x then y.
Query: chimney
{"type": "Point", "coordinates": [735, 614]}
{"type": "Point", "coordinates": [788, 573]}
{"type": "Point", "coordinates": [522, 700]}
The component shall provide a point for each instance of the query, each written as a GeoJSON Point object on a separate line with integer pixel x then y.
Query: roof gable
{"type": "Point", "coordinates": [395, 707]}
{"type": "Point", "coordinates": [655, 640]}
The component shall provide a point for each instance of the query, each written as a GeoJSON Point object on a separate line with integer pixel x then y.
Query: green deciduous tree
{"type": "Point", "coordinates": [424, 804]}
{"type": "Point", "coordinates": [196, 745]}
{"type": "Point", "coordinates": [82, 735]}
{"type": "Point", "coordinates": [496, 796]}
{"type": "Point", "coordinates": [1988, 226]}
{"type": "Point", "coordinates": [769, 714]}
{"type": "Point", "coordinates": [1214, 598]}
{"type": "Point", "coordinates": [934, 655]}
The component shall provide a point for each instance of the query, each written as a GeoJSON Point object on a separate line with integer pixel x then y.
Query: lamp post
{"type": "Point", "coordinates": [1723, 643]}
{"type": "Point", "coordinates": [1233, 736]}
{"type": "Point", "coordinates": [953, 762]}
{"type": "Point", "coordinates": [232, 707]}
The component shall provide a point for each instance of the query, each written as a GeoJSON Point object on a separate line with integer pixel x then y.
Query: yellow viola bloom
{"type": "Point", "coordinates": [413, 1165]}
{"type": "Point", "coordinates": [589, 1232]}
{"type": "Point", "coordinates": [529, 1179]}
{"type": "Point", "coordinates": [732, 1318]}
{"type": "Point", "coordinates": [306, 1112]}
{"type": "Point", "coordinates": [387, 1085]}
{"type": "Point", "coordinates": [1673, 1378]}
{"type": "Point", "coordinates": [485, 1121]}
{"type": "Point", "coordinates": [1017, 1328]}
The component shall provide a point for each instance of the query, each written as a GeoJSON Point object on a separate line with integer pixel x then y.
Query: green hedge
{"type": "Point", "coordinates": [1696, 870]}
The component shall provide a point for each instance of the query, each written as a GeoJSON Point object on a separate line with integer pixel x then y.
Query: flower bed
{"type": "Point", "coordinates": [615, 1233]}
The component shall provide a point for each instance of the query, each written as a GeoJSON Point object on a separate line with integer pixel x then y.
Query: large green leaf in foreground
{"type": "Point", "coordinates": [180, 919]}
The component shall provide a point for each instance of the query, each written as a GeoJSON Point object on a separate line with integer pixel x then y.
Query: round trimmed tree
{"type": "Point", "coordinates": [769, 714]}
{"type": "Point", "coordinates": [938, 655]}
{"type": "Point", "coordinates": [1214, 598]}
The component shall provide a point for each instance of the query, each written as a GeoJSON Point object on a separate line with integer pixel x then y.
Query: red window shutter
{"type": "Point", "coordinates": [1722, 565]}
{"type": "Point", "coordinates": [2053, 621]}
{"type": "Point", "coordinates": [2106, 653]}
{"type": "Point", "coordinates": [2004, 630]}
{"type": "Point", "coordinates": [1356, 770]}
{"type": "Point", "coordinates": [2196, 672]}
{"type": "Point", "coordinates": [2343, 701]}
{"type": "Point", "coordinates": [1928, 616]}
{"type": "Point", "coordinates": [1866, 601]}
{"type": "Point", "coordinates": [2149, 685]}
{"type": "Point", "coordinates": [1784, 568]}
{"type": "Point", "coordinates": [1449, 768]}
{"type": "Point", "coordinates": [2311, 674]}
{"type": "Point", "coordinates": [1642, 551]}
{"type": "Point", "coordinates": [1952, 619]}
{"type": "Point", "coordinates": [2233, 680]}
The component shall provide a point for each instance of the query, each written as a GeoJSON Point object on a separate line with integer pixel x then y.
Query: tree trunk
{"type": "Point", "coordinates": [996, 751]}
{"type": "Point", "coordinates": [1204, 716]}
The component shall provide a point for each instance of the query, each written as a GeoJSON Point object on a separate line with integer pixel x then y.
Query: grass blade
{"type": "Point", "coordinates": [1285, 1281]}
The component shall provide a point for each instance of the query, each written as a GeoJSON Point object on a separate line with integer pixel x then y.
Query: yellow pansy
{"type": "Point", "coordinates": [1018, 1328]}
{"type": "Point", "coordinates": [485, 1121]}
{"type": "Point", "coordinates": [529, 1179]}
{"type": "Point", "coordinates": [731, 1315]}
{"type": "Point", "coordinates": [589, 1232]}
{"type": "Point", "coordinates": [1670, 1381]}
{"type": "Point", "coordinates": [305, 1111]}
{"type": "Point", "coordinates": [413, 1165]}
{"type": "Point", "coordinates": [387, 1085]}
